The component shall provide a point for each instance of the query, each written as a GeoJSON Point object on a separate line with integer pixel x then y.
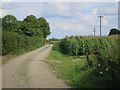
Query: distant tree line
{"type": "Point", "coordinates": [53, 40]}
{"type": "Point", "coordinates": [25, 35]}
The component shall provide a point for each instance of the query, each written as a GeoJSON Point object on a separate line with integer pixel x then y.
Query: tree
{"type": "Point", "coordinates": [66, 37]}
{"type": "Point", "coordinates": [72, 38]}
{"type": "Point", "coordinates": [9, 22]}
{"type": "Point", "coordinates": [45, 26]}
{"type": "Point", "coordinates": [114, 31]}
{"type": "Point", "coordinates": [31, 27]}
{"type": "Point", "coordinates": [19, 27]}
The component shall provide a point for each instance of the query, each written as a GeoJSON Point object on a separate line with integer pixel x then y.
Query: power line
{"type": "Point", "coordinates": [100, 23]}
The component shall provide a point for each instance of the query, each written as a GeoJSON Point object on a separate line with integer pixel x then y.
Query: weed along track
{"type": "Point", "coordinates": [27, 71]}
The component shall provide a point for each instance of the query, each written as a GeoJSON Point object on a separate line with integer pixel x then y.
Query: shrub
{"type": "Point", "coordinates": [13, 43]}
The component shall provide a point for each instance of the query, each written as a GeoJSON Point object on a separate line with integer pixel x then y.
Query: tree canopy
{"type": "Point", "coordinates": [30, 26]}
{"type": "Point", "coordinates": [23, 36]}
{"type": "Point", "coordinates": [9, 22]}
{"type": "Point", "coordinates": [45, 26]}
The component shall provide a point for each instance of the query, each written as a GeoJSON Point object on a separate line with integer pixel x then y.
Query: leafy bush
{"type": "Point", "coordinates": [13, 43]}
{"type": "Point", "coordinates": [56, 47]}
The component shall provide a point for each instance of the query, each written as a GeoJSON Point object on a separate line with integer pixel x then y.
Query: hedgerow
{"type": "Point", "coordinates": [14, 43]}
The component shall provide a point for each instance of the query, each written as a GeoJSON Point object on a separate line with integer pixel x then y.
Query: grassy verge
{"type": "Point", "coordinates": [78, 74]}
{"type": "Point", "coordinates": [55, 55]}
{"type": "Point", "coordinates": [68, 70]}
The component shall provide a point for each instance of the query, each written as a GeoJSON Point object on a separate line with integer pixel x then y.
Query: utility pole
{"type": "Point", "coordinates": [94, 31]}
{"type": "Point", "coordinates": [100, 23]}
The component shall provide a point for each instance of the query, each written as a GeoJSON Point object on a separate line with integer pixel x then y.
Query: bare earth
{"type": "Point", "coordinates": [30, 71]}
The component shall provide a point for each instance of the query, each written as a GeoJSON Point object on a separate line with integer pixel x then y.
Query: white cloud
{"type": "Point", "coordinates": [67, 25]}
{"type": "Point", "coordinates": [105, 11]}
{"type": "Point", "coordinates": [57, 9]}
{"type": "Point", "coordinates": [95, 11]}
{"type": "Point", "coordinates": [60, 6]}
{"type": "Point", "coordinates": [108, 13]}
{"type": "Point", "coordinates": [25, 9]}
{"type": "Point", "coordinates": [90, 19]}
{"type": "Point", "coordinates": [105, 22]}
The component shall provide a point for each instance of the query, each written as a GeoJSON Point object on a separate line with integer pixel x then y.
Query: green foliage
{"type": "Point", "coordinates": [22, 36]}
{"type": "Point", "coordinates": [56, 47]}
{"type": "Point", "coordinates": [53, 40]}
{"type": "Point", "coordinates": [55, 55]}
{"type": "Point", "coordinates": [30, 26]}
{"type": "Point", "coordinates": [65, 47]}
{"type": "Point", "coordinates": [9, 22]}
{"type": "Point", "coordinates": [14, 43]}
{"type": "Point", "coordinates": [114, 31]}
{"type": "Point", "coordinates": [45, 26]}
{"type": "Point", "coordinates": [102, 60]}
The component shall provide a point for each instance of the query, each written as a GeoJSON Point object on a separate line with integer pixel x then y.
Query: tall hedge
{"type": "Point", "coordinates": [14, 43]}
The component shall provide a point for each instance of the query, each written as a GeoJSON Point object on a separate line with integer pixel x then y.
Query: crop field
{"type": "Point", "coordinates": [99, 61]}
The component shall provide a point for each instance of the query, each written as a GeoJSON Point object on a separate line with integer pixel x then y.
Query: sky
{"type": "Point", "coordinates": [66, 18]}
